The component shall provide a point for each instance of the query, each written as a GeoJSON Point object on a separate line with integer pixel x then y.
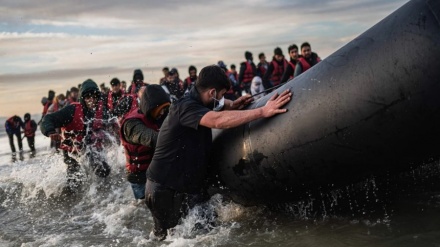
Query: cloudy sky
{"type": "Point", "coordinates": [54, 45]}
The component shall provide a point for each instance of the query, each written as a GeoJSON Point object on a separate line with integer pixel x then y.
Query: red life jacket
{"type": "Point", "coordinates": [138, 157]}
{"type": "Point", "coordinates": [293, 69]}
{"type": "Point", "coordinates": [305, 65]}
{"type": "Point", "coordinates": [248, 74]}
{"type": "Point", "coordinates": [134, 105]}
{"type": "Point", "coordinates": [110, 99]}
{"type": "Point", "coordinates": [56, 107]}
{"type": "Point", "coordinates": [277, 72]}
{"type": "Point", "coordinates": [134, 86]}
{"type": "Point", "coordinates": [188, 81]}
{"type": "Point", "coordinates": [28, 130]}
{"type": "Point", "coordinates": [46, 107]}
{"type": "Point", "coordinates": [75, 130]}
{"type": "Point", "coordinates": [263, 70]}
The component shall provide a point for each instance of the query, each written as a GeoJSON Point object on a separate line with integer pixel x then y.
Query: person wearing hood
{"type": "Point", "coordinates": [137, 82]}
{"type": "Point", "coordinates": [29, 132]}
{"type": "Point", "coordinates": [191, 79]}
{"type": "Point", "coordinates": [177, 174]}
{"type": "Point", "coordinates": [83, 127]}
{"type": "Point", "coordinates": [307, 59]}
{"type": "Point", "coordinates": [139, 131]}
{"type": "Point", "coordinates": [247, 72]}
{"type": "Point", "coordinates": [257, 88]}
{"type": "Point", "coordinates": [13, 126]}
{"type": "Point", "coordinates": [130, 100]}
{"type": "Point", "coordinates": [272, 77]}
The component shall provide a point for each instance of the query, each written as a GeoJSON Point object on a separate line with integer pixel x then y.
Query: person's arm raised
{"type": "Point", "coordinates": [231, 119]}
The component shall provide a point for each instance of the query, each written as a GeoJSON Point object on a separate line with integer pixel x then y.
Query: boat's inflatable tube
{"type": "Point", "coordinates": [371, 107]}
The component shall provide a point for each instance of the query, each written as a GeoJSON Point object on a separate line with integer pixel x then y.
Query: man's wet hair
{"type": "Point", "coordinates": [74, 89]}
{"type": "Point", "coordinates": [233, 66]}
{"type": "Point", "coordinates": [212, 76]}
{"type": "Point", "coordinates": [260, 55]}
{"type": "Point", "coordinates": [305, 44]}
{"type": "Point", "coordinates": [291, 47]}
{"type": "Point", "coordinates": [165, 69]}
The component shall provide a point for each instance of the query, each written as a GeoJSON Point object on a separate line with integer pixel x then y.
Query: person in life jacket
{"type": "Point", "coordinates": [262, 65]}
{"type": "Point", "coordinates": [124, 86]}
{"type": "Point", "coordinates": [307, 59]}
{"type": "Point", "coordinates": [12, 126]}
{"type": "Point", "coordinates": [74, 93]}
{"type": "Point", "coordinates": [191, 79]}
{"type": "Point", "coordinates": [290, 69]}
{"type": "Point", "coordinates": [173, 86]}
{"type": "Point", "coordinates": [58, 103]}
{"type": "Point", "coordinates": [83, 126]}
{"type": "Point", "coordinates": [114, 94]}
{"type": "Point", "coordinates": [139, 131]}
{"type": "Point", "coordinates": [275, 70]}
{"type": "Point", "coordinates": [247, 72]}
{"type": "Point", "coordinates": [165, 72]}
{"type": "Point", "coordinates": [129, 100]}
{"type": "Point", "coordinates": [50, 97]}
{"type": "Point", "coordinates": [29, 132]}
{"type": "Point", "coordinates": [112, 99]}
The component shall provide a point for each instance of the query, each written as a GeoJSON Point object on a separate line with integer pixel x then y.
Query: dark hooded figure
{"type": "Point", "coordinates": [29, 132]}
{"type": "Point", "coordinates": [130, 100]}
{"type": "Point", "coordinates": [139, 131]}
{"type": "Point", "coordinates": [137, 82]}
{"type": "Point", "coordinates": [13, 126]}
{"type": "Point", "coordinates": [83, 124]}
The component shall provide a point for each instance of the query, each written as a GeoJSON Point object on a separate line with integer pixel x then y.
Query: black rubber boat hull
{"type": "Point", "coordinates": [371, 108]}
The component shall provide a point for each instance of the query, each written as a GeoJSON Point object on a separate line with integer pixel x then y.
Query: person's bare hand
{"type": "Point", "coordinates": [241, 102]}
{"type": "Point", "coordinates": [55, 137]}
{"type": "Point", "coordinates": [274, 104]}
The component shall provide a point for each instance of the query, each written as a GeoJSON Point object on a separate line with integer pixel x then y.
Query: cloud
{"type": "Point", "coordinates": [46, 41]}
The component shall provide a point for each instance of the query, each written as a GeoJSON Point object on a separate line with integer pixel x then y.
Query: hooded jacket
{"type": "Point", "coordinates": [139, 133]}
{"type": "Point", "coordinates": [76, 117]}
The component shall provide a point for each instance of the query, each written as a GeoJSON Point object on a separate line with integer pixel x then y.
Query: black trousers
{"type": "Point", "coordinates": [31, 142]}
{"type": "Point", "coordinates": [11, 141]}
{"type": "Point", "coordinates": [168, 206]}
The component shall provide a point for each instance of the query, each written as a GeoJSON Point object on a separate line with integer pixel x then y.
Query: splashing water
{"type": "Point", "coordinates": [36, 211]}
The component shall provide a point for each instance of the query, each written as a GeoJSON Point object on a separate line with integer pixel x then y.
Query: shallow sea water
{"type": "Point", "coordinates": [403, 210]}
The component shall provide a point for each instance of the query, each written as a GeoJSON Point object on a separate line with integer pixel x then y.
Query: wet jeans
{"type": "Point", "coordinates": [138, 190]}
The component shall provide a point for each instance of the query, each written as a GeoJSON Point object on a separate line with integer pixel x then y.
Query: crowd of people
{"type": "Point", "coordinates": [165, 128]}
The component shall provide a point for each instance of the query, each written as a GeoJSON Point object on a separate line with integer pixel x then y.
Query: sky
{"type": "Point", "coordinates": [55, 45]}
